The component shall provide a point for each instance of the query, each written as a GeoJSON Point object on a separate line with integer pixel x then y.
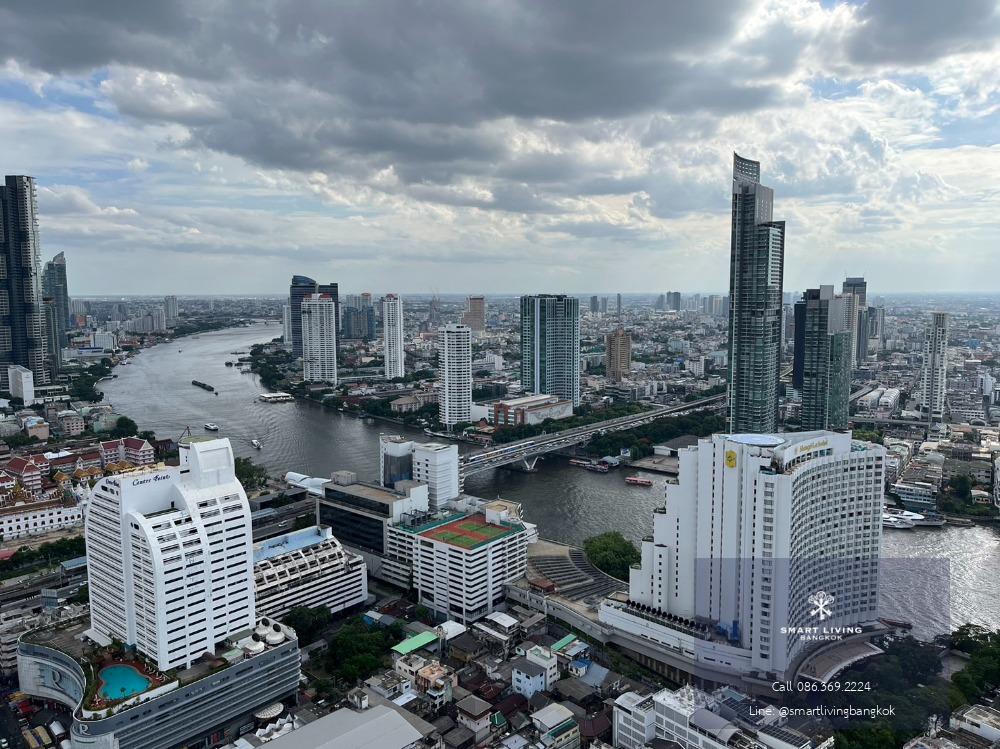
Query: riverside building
{"type": "Point", "coordinates": [392, 333]}
{"type": "Point", "coordinates": [550, 346]}
{"type": "Point", "coordinates": [455, 372]}
{"type": "Point", "coordinates": [756, 269]}
{"type": "Point", "coordinates": [458, 557]}
{"type": "Point", "coordinates": [319, 338]}
{"type": "Point", "coordinates": [169, 654]}
{"type": "Point", "coordinates": [758, 531]}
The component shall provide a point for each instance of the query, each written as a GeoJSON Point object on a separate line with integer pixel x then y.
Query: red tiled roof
{"type": "Point", "coordinates": [20, 466]}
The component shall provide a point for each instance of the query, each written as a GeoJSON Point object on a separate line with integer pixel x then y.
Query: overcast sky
{"type": "Point", "coordinates": [499, 146]}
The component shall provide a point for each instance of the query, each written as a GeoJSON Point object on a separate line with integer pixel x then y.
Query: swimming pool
{"type": "Point", "coordinates": [120, 681]}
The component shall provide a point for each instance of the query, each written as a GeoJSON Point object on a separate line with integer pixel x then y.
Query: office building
{"type": "Point", "coordinates": [756, 527]}
{"type": "Point", "coordinates": [674, 301]}
{"type": "Point", "coordinates": [454, 343]}
{"type": "Point", "coordinates": [821, 364]}
{"type": "Point", "coordinates": [604, 305]}
{"type": "Point", "coordinates": [475, 314]}
{"type": "Point", "coordinates": [934, 375]}
{"type": "Point", "coordinates": [22, 314]}
{"type": "Point", "coordinates": [319, 338]}
{"type": "Point", "coordinates": [392, 334]}
{"type": "Point", "coordinates": [159, 579]}
{"type": "Point", "coordinates": [550, 346]}
{"type": "Point", "coordinates": [458, 558]}
{"type": "Point", "coordinates": [617, 355]}
{"type": "Point", "coordinates": [170, 309]}
{"type": "Point", "coordinates": [395, 462]}
{"type": "Point", "coordinates": [595, 305]}
{"type": "Point", "coordinates": [618, 301]}
{"type": "Point", "coordinates": [755, 296]}
{"type": "Point", "coordinates": [307, 567]}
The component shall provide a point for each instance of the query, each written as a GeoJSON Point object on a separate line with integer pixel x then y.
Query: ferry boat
{"type": "Point", "coordinates": [203, 386]}
{"type": "Point", "coordinates": [959, 522]}
{"type": "Point", "coordinates": [275, 397]}
{"type": "Point", "coordinates": [590, 465]}
{"type": "Point", "coordinates": [929, 518]}
{"type": "Point", "coordinates": [211, 427]}
{"type": "Point", "coordinates": [638, 481]}
{"type": "Point", "coordinates": [256, 444]}
{"type": "Point", "coordinates": [891, 521]}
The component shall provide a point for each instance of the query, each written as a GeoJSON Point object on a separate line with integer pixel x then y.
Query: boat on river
{"type": "Point", "coordinates": [638, 481]}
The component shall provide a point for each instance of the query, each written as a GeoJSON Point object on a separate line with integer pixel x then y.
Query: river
{"type": "Point", "coordinates": [935, 578]}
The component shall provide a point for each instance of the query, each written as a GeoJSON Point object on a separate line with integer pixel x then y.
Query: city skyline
{"type": "Point", "coordinates": [875, 121]}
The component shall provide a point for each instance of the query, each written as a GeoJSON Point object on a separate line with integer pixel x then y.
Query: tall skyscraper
{"type": "Point", "coordinates": [301, 287]}
{"type": "Point", "coordinates": [170, 556]}
{"type": "Point", "coordinates": [550, 346]}
{"type": "Point", "coordinates": [319, 338]}
{"type": "Point", "coordinates": [169, 307]}
{"type": "Point", "coordinates": [56, 287]}
{"type": "Point", "coordinates": [53, 337]}
{"type": "Point", "coordinates": [674, 301]}
{"type": "Point", "coordinates": [392, 334]}
{"type": "Point", "coordinates": [934, 376]}
{"type": "Point", "coordinates": [475, 314]}
{"type": "Point", "coordinates": [618, 301]}
{"type": "Point", "coordinates": [855, 291]}
{"type": "Point", "coordinates": [286, 325]}
{"type": "Point", "coordinates": [595, 305]}
{"type": "Point", "coordinates": [821, 368]}
{"type": "Point", "coordinates": [454, 374]}
{"type": "Point", "coordinates": [604, 305]}
{"type": "Point", "coordinates": [744, 545]}
{"type": "Point", "coordinates": [22, 313]}
{"type": "Point", "coordinates": [756, 269]}
{"type": "Point", "coordinates": [617, 355]}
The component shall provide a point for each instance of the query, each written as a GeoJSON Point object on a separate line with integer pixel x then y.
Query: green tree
{"type": "Point", "coordinates": [251, 475]}
{"type": "Point", "coordinates": [961, 487]}
{"type": "Point", "coordinates": [308, 622]}
{"type": "Point", "coordinates": [612, 553]}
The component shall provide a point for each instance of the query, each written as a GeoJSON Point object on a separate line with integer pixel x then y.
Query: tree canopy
{"type": "Point", "coordinates": [612, 553]}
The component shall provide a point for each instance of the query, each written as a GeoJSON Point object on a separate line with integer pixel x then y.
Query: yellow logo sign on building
{"type": "Point", "coordinates": [730, 459]}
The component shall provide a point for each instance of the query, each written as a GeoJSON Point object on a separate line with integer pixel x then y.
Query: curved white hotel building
{"type": "Point", "coordinates": [766, 545]}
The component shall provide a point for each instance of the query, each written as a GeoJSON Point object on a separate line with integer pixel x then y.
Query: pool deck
{"type": "Point", "coordinates": [110, 694]}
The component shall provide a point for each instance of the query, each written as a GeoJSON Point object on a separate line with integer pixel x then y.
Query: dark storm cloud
{"type": "Point", "coordinates": [920, 31]}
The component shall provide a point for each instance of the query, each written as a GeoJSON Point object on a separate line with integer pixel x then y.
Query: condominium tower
{"type": "Point", "coordinates": [319, 338]}
{"type": "Point", "coordinates": [617, 355]}
{"type": "Point", "coordinates": [475, 314]}
{"type": "Point", "coordinates": [169, 556]}
{"type": "Point", "coordinates": [392, 335]}
{"type": "Point", "coordinates": [933, 379]}
{"type": "Point", "coordinates": [757, 531]}
{"type": "Point", "coordinates": [301, 287]}
{"type": "Point", "coordinates": [454, 374]}
{"type": "Point", "coordinates": [169, 307]}
{"type": "Point", "coordinates": [550, 346]}
{"type": "Point", "coordinates": [756, 267]}
{"type": "Point", "coordinates": [55, 287]}
{"type": "Point", "coordinates": [22, 315]}
{"type": "Point", "coordinates": [821, 365]}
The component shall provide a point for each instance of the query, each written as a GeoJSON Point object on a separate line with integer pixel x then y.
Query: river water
{"type": "Point", "coordinates": [935, 578]}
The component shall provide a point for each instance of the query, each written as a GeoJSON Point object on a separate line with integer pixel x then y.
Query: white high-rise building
{"type": "Point", "coordinates": [760, 534]}
{"type": "Point", "coordinates": [933, 379]}
{"type": "Point", "coordinates": [170, 556]}
{"type": "Point", "coordinates": [436, 464]}
{"type": "Point", "coordinates": [319, 338]}
{"type": "Point", "coordinates": [286, 325]}
{"type": "Point", "coordinates": [455, 374]}
{"type": "Point", "coordinates": [170, 308]}
{"type": "Point", "coordinates": [392, 334]}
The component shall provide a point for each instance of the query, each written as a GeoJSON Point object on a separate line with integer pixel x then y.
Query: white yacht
{"type": "Point", "coordinates": [212, 427]}
{"type": "Point", "coordinates": [256, 444]}
{"type": "Point", "coordinates": [929, 518]}
{"type": "Point", "coordinates": [893, 521]}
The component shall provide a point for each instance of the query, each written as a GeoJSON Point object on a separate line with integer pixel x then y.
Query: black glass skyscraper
{"type": "Point", "coordinates": [756, 269]}
{"type": "Point", "coordinates": [22, 315]}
